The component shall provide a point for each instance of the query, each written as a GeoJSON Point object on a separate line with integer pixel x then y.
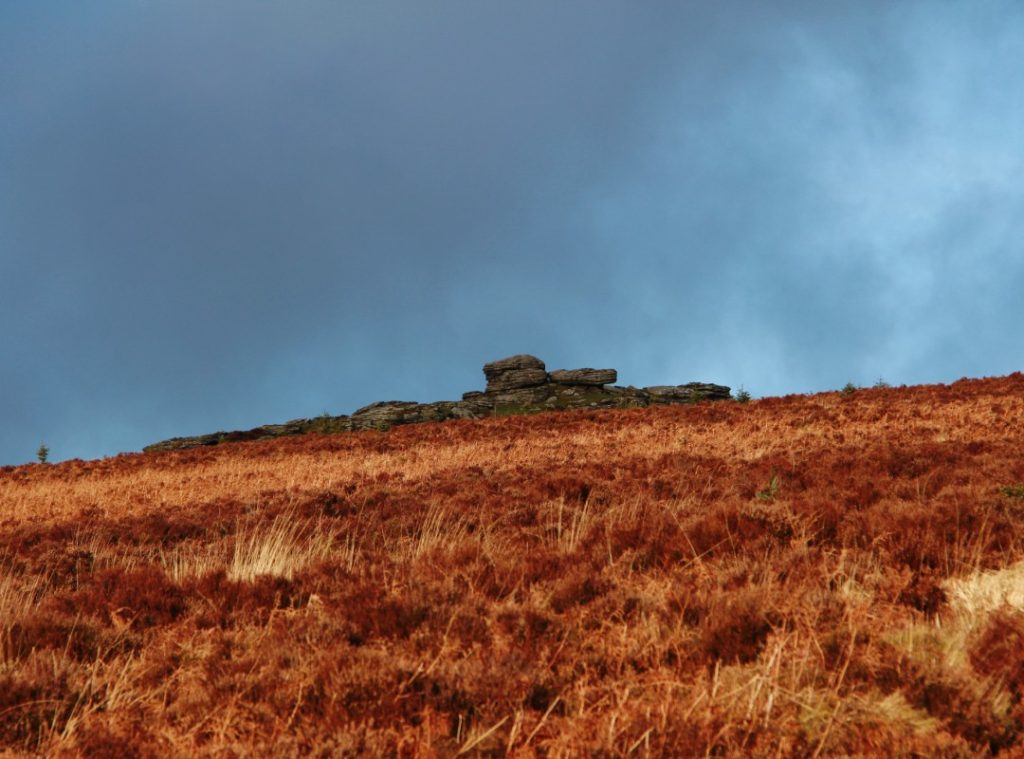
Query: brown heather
{"type": "Point", "coordinates": [804, 576]}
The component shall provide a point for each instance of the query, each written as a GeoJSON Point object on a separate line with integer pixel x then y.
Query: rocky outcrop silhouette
{"type": "Point", "coordinates": [514, 373]}
{"type": "Point", "coordinates": [515, 385]}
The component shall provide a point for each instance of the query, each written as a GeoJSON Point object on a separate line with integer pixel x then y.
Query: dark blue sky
{"type": "Point", "coordinates": [220, 214]}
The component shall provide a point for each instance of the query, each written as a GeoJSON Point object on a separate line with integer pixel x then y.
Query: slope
{"type": "Point", "coordinates": [801, 576]}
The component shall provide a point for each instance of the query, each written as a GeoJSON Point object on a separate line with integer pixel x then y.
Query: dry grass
{"type": "Point", "coordinates": [802, 576]}
{"type": "Point", "coordinates": [279, 549]}
{"type": "Point", "coordinates": [978, 594]}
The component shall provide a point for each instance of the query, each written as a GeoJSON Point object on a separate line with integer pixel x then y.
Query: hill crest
{"type": "Point", "coordinates": [516, 385]}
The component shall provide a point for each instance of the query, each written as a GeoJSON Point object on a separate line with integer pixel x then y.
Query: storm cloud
{"type": "Point", "coordinates": [220, 214]}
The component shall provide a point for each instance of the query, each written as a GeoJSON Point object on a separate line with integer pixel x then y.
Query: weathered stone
{"type": "Point", "coordinates": [294, 427]}
{"type": "Point", "coordinates": [474, 407]}
{"type": "Point", "coordinates": [584, 376]}
{"type": "Point", "coordinates": [514, 372]}
{"type": "Point", "coordinates": [183, 443]}
{"type": "Point", "coordinates": [386, 414]}
{"type": "Point", "coordinates": [628, 397]}
{"type": "Point", "coordinates": [521, 396]}
{"type": "Point", "coordinates": [593, 396]}
{"type": "Point", "coordinates": [381, 415]}
{"type": "Point", "coordinates": [689, 393]}
{"type": "Point", "coordinates": [517, 378]}
{"type": "Point", "coordinates": [519, 361]}
{"type": "Point", "coordinates": [438, 411]}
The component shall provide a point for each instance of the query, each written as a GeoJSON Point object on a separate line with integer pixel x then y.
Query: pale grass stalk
{"type": "Point", "coordinates": [440, 530]}
{"type": "Point", "coordinates": [543, 719]}
{"type": "Point", "coordinates": [644, 738]}
{"type": "Point", "coordinates": [569, 529]}
{"type": "Point", "coordinates": [980, 593]}
{"type": "Point", "coordinates": [348, 552]}
{"type": "Point", "coordinates": [894, 709]}
{"type": "Point", "coordinates": [191, 560]}
{"type": "Point", "coordinates": [279, 549]}
{"type": "Point", "coordinates": [517, 724]}
{"type": "Point", "coordinates": [496, 541]}
{"type": "Point", "coordinates": [973, 599]}
{"type": "Point", "coordinates": [95, 552]}
{"type": "Point", "coordinates": [621, 699]}
{"type": "Point", "coordinates": [753, 694]}
{"type": "Point", "coordinates": [17, 598]}
{"type": "Point", "coordinates": [106, 687]}
{"type": "Point", "coordinates": [471, 743]}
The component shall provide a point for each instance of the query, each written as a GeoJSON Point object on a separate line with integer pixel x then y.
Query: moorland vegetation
{"type": "Point", "coordinates": [801, 576]}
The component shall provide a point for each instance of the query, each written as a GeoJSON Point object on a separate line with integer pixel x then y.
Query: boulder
{"type": "Point", "coordinates": [474, 407]}
{"type": "Point", "coordinates": [438, 411]}
{"type": "Point", "coordinates": [517, 378]}
{"type": "Point", "coordinates": [521, 396]}
{"type": "Point", "coordinates": [386, 414]}
{"type": "Point", "coordinates": [596, 377]}
{"type": "Point", "coordinates": [519, 361]}
{"type": "Point", "coordinates": [324, 424]}
{"type": "Point", "coordinates": [383, 414]}
{"type": "Point", "coordinates": [514, 372]}
{"type": "Point", "coordinates": [689, 393]}
{"type": "Point", "coordinates": [592, 396]}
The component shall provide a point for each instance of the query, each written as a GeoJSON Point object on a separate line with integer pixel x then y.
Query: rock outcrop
{"type": "Point", "coordinates": [689, 393]}
{"type": "Point", "coordinates": [385, 414]}
{"type": "Point", "coordinates": [514, 372]}
{"type": "Point", "coordinates": [515, 385]}
{"type": "Point", "coordinates": [596, 377]}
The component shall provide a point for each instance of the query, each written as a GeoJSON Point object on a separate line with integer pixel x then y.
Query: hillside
{"type": "Point", "coordinates": [801, 576]}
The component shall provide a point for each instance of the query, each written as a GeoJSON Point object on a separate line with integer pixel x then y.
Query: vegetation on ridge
{"type": "Point", "coordinates": [799, 576]}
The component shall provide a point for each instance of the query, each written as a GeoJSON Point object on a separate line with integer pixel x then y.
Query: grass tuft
{"type": "Point", "coordinates": [278, 549]}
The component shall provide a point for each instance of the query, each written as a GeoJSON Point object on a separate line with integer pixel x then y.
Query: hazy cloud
{"type": "Point", "coordinates": [219, 214]}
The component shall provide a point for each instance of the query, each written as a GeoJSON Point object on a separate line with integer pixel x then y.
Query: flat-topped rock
{"type": "Point", "coordinates": [688, 393]}
{"type": "Point", "coordinates": [514, 372]}
{"type": "Point", "coordinates": [519, 361]}
{"type": "Point", "coordinates": [596, 377]}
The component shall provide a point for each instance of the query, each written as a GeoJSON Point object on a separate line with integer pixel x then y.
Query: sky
{"type": "Point", "coordinates": [218, 214]}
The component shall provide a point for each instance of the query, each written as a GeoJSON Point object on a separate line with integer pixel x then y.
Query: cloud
{"type": "Point", "coordinates": [214, 216]}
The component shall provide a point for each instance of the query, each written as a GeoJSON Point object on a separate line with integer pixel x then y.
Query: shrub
{"type": "Point", "coordinates": [742, 396]}
{"type": "Point", "coordinates": [771, 491]}
{"type": "Point", "coordinates": [43, 453]}
{"type": "Point", "coordinates": [849, 389]}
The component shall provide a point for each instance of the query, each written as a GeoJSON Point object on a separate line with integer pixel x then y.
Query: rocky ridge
{"type": "Point", "coordinates": [518, 384]}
